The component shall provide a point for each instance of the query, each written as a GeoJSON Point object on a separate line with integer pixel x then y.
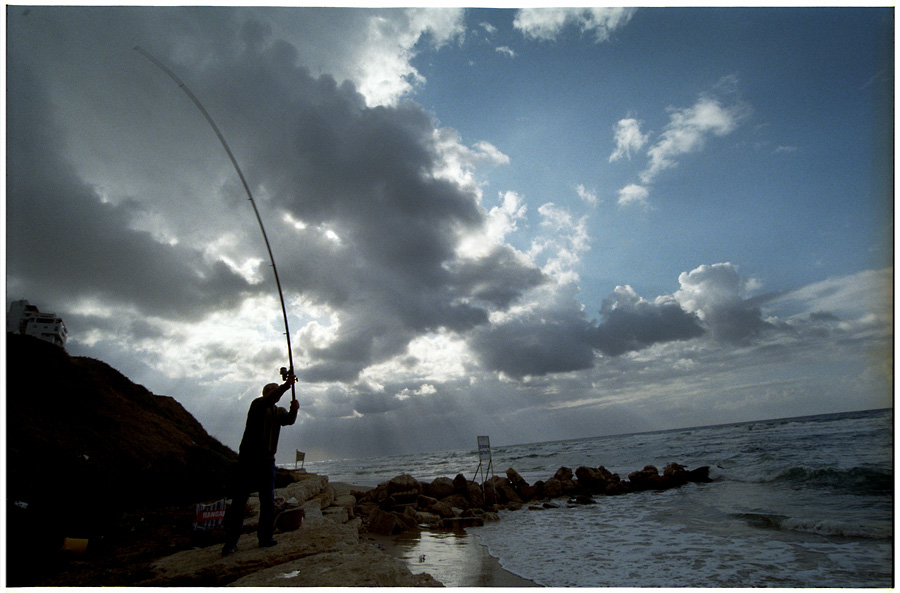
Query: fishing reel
{"type": "Point", "coordinates": [287, 374]}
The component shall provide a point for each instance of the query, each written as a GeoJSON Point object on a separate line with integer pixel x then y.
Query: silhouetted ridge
{"type": "Point", "coordinates": [85, 444]}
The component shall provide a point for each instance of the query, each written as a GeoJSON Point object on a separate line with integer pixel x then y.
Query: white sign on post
{"type": "Point", "coordinates": [484, 449]}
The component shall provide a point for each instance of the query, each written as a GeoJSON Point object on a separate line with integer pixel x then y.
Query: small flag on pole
{"type": "Point", "coordinates": [301, 457]}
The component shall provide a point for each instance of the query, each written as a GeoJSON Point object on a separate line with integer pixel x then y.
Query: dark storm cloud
{"type": "Point", "coordinates": [65, 244]}
{"type": "Point", "coordinates": [381, 225]}
{"type": "Point", "coordinates": [368, 175]}
{"type": "Point", "coordinates": [536, 344]}
{"type": "Point", "coordinates": [633, 324]}
{"type": "Point", "coordinates": [563, 339]}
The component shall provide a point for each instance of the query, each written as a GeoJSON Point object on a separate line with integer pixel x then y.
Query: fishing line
{"type": "Point", "coordinates": [209, 119]}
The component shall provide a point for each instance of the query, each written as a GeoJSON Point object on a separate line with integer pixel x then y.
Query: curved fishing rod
{"type": "Point", "coordinates": [209, 119]}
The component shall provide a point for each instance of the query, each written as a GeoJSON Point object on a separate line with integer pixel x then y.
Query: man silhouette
{"type": "Point", "coordinates": [256, 464]}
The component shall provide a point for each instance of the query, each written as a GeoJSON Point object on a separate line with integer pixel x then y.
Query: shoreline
{"type": "Point", "coordinates": [455, 558]}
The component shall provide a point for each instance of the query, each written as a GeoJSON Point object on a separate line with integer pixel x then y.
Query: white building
{"type": "Point", "coordinates": [24, 318]}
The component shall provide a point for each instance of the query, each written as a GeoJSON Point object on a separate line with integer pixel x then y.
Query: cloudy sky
{"type": "Point", "coordinates": [531, 224]}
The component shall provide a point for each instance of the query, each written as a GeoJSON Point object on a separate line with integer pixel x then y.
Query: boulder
{"type": "Point", "coordinates": [404, 489]}
{"type": "Point", "coordinates": [336, 514]}
{"type": "Point", "coordinates": [425, 502]}
{"type": "Point", "coordinates": [648, 479]}
{"type": "Point", "coordinates": [553, 488]}
{"type": "Point", "coordinates": [440, 488]}
{"type": "Point", "coordinates": [592, 479]}
{"type": "Point", "coordinates": [365, 508]}
{"type": "Point", "coordinates": [426, 518]}
{"type": "Point", "coordinates": [475, 494]}
{"type": "Point", "coordinates": [442, 509]}
{"type": "Point", "coordinates": [460, 484]}
{"type": "Point", "coordinates": [536, 490]}
{"type": "Point", "coordinates": [407, 521]}
{"type": "Point", "coordinates": [563, 474]}
{"type": "Point", "coordinates": [583, 499]}
{"type": "Point", "coordinates": [617, 487]}
{"type": "Point", "coordinates": [458, 501]}
{"type": "Point", "coordinates": [701, 474]}
{"type": "Point", "coordinates": [383, 522]}
{"type": "Point", "coordinates": [515, 480]}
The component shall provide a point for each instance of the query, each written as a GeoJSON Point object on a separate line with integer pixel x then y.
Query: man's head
{"type": "Point", "coordinates": [268, 388]}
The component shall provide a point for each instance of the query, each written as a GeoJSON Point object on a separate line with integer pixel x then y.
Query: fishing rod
{"type": "Point", "coordinates": [285, 373]}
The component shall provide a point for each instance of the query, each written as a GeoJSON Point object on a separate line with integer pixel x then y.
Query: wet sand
{"type": "Point", "coordinates": [454, 558]}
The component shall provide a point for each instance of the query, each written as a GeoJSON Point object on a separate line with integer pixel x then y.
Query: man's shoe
{"type": "Point", "coordinates": [268, 544]}
{"type": "Point", "coordinates": [229, 549]}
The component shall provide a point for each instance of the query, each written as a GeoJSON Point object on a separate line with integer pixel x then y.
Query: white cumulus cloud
{"type": "Point", "coordinates": [628, 137]}
{"type": "Point", "coordinates": [548, 23]}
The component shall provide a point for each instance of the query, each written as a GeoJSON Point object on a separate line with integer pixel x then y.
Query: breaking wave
{"type": "Point", "coordinates": [824, 527]}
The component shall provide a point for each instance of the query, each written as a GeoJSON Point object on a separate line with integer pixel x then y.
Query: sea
{"type": "Point", "coordinates": [793, 503]}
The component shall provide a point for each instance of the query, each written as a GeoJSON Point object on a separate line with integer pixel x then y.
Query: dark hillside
{"type": "Point", "coordinates": [85, 446]}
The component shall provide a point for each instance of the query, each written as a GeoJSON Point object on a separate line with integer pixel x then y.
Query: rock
{"type": "Point", "coordinates": [458, 501]}
{"type": "Point", "coordinates": [462, 522]}
{"type": "Point", "coordinates": [206, 567]}
{"type": "Point", "coordinates": [460, 484]}
{"type": "Point", "coordinates": [440, 488]}
{"type": "Point", "coordinates": [406, 521]}
{"type": "Point", "coordinates": [426, 518]}
{"type": "Point", "coordinates": [382, 522]}
{"type": "Point", "coordinates": [291, 519]}
{"type": "Point", "coordinates": [311, 510]}
{"type": "Point", "coordinates": [583, 499]}
{"type": "Point", "coordinates": [336, 514]}
{"type": "Point", "coordinates": [475, 494]}
{"type": "Point", "coordinates": [365, 508]}
{"type": "Point", "coordinates": [648, 479]}
{"type": "Point", "coordinates": [617, 487]}
{"type": "Point", "coordinates": [360, 565]}
{"type": "Point", "coordinates": [347, 501]}
{"type": "Point", "coordinates": [425, 502]}
{"type": "Point", "coordinates": [701, 474]}
{"type": "Point", "coordinates": [673, 468]}
{"type": "Point", "coordinates": [490, 516]}
{"type": "Point", "coordinates": [536, 490]}
{"type": "Point", "coordinates": [563, 474]}
{"type": "Point", "coordinates": [404, 489]}
{"type": "Point", "coordinates": [592, 479]}
{"type": "Point", "coordinates": [515, 480]}
{"type": "Point", "coordinates": [442, 509]}
{"type": "Point", "coordinates": [553, 488]}
{"type": "Point", "coordinates": [402, 483]}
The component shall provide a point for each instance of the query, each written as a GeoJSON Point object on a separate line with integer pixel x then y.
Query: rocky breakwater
{"type": "Point", "coordinates": [404, 503]}
{"type": "Point", "coordinates": [324, 550]}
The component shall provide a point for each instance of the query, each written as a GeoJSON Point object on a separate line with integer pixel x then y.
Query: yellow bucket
{"type": "Point", "coordinates": [74, 546]}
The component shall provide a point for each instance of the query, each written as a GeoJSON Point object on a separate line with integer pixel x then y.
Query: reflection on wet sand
{"type": "Point", "coordinates": [454, 558]}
